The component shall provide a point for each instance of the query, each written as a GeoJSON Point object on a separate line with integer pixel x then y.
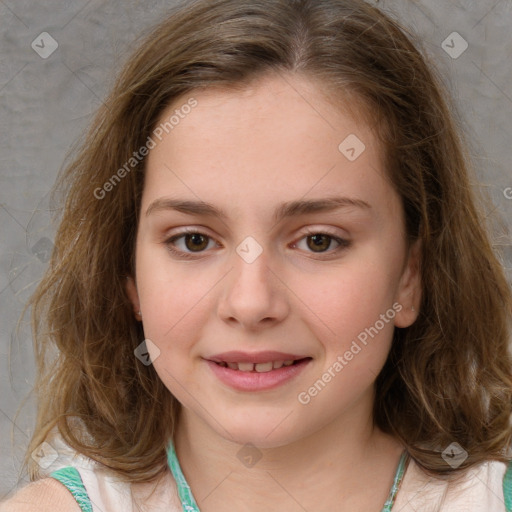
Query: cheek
{"type": "Point", "coordinates": [173, 300]}
{"type": "Point", "coordinates": [175, 306]}
{"type": "Point", "coordinates": [350, 298]}
{"type": "Point", "coordinates": [351, 315]}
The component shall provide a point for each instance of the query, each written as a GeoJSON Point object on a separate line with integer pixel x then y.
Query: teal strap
{"type": "Point", "coordinates": [507, 487]}
{"type": "Point", "coordinates": [70, 477]}
{"type": "Point", "coordinates": [187, 499]}
{"type": "Point", "coordinates": [396, 483]}
{"type": "Point", "coordinates": [189, 504]}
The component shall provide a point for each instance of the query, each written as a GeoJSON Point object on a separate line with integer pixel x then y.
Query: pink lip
{"type": "Point", "coordinates": [255, 381]}
{"type": "Point", "coordinates": [236, 356]}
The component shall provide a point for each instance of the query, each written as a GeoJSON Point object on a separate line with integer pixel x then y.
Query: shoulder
{"type": "Point", "coordinates": [45, 495]}
{"type": "Point", "coordinates": [479, 489]}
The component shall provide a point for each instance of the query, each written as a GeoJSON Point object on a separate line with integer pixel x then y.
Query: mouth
{"type": "Point", "coordinates": [254, 372]}
{"type": "Point", "coordinates": [259, 367]}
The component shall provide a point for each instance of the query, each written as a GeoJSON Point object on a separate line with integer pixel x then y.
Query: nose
{"type": "Point", "coordinates": [254, 297]}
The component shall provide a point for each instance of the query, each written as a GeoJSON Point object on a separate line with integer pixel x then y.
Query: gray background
{"type": "Point", "coordinates": [45, 104]}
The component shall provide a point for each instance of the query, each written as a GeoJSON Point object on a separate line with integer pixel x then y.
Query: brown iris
{"type": "Point", "coordinates": [319, 241]}
{"type": "Point", "coordinates": [199, 242]}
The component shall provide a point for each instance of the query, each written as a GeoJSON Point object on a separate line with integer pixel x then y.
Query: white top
{"type": "Point", "coordinates": [481, 489]}
{"type": "Point", "coordinates": [106, 491]}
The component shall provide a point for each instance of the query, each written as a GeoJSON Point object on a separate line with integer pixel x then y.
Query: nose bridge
{"type": "Point", "coordinates": [251, 270]}
{"type": "Point", "coordinates": [252, 293]}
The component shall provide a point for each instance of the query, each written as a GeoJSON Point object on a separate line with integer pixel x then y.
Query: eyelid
{"type": "Point", "coordinates": [320, 230]}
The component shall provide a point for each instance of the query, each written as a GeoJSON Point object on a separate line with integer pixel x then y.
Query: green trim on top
{"type": "Point", "coordinates": [396, 482]}
{"type": "Point", "coordinates": [189, 504]}
{"type": "Point", "coordinates": [70, 477]}
{"type": "Point", "coordinates": [187, 499]}
{"type": "Point", "coordinates": [507, 487]}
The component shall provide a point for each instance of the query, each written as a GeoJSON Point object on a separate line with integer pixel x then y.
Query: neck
{"type": "Point", "coordinates": [330, 469]}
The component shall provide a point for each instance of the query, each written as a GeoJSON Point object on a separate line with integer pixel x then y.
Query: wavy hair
{"type": "Point", "coordinates": [447, 377]}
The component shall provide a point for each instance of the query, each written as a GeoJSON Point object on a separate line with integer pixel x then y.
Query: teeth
{"type": "Point", "coordinates": [263, 367]}
{"type": "Point", "coordinates": [246, 367]}
{"type": "Point", "coordinates": [259, 367]}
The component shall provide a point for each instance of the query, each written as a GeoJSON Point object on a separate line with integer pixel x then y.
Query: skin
{"type": "Point", "coordinates": [246, 152]}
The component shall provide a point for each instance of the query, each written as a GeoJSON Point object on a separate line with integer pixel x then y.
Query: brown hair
{"type": "Point", "coordinates": [447, 377]}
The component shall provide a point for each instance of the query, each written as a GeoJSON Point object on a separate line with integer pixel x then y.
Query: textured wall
{"type": "Point", "coordinates": [45, 103]}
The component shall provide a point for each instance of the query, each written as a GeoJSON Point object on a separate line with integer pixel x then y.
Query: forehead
{"type": "Point", "coordinates": [277, 139]}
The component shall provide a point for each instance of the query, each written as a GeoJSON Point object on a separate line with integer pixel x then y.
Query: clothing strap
{"type": "Point", "coordinates": [399, 475]}
{"type": "Point", "coordinates": [507, 487]}
{"type": "Point", "coordinates": [185, 493]}
{"type": "Point", "coordinates": [70, 477]}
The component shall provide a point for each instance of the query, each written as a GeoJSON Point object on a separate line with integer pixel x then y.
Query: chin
{"type": "Point", "coordinates": [262, 434]}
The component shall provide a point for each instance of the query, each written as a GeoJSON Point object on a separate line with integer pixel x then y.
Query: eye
{"type": "Point", "coordinates": [191, 242]}
{"type": "Point", "coordinates": [319, 242]}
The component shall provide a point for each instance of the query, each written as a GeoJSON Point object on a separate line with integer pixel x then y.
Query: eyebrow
{"type": "Point", "coordinates": [284, 210]}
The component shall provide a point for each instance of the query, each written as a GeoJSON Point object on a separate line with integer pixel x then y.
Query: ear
{"type": "Point", "coordinates": [410, 288]}
{"type": "Point", "coordinates": [131, 290]}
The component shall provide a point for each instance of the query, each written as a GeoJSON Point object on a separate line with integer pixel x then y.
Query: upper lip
{"type": "Point", "coordinates": [236, 356]}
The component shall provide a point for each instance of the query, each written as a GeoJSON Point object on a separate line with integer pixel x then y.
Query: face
{"type": "Point", "coordinates": [271, 262]}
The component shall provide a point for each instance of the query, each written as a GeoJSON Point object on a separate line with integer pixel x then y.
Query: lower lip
{"type": "Point", "coordinates": [255, 381]}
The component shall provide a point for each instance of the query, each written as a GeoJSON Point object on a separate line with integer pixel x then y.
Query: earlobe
{"type": "Point", "coordinates": [410, 288]}
{"type": "Point", "coordinates": [131, 290]}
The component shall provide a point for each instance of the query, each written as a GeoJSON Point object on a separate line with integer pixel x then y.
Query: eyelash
{"type": "Point", "coordinates": [343, 243]}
